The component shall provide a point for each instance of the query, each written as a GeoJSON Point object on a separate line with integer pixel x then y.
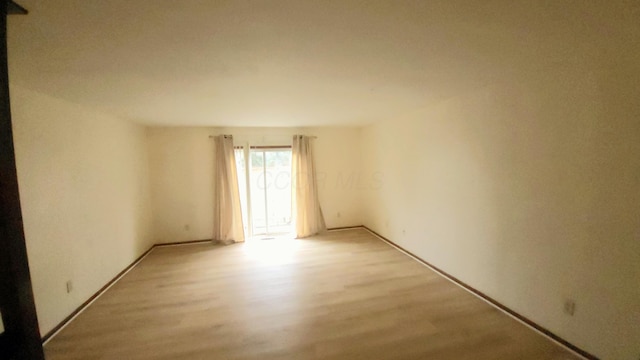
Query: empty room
{"type": "Point", "coordinates": [339, 179]}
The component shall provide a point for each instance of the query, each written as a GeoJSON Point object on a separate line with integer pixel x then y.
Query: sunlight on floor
{"type": "Point", "coordinates": [277, 251]}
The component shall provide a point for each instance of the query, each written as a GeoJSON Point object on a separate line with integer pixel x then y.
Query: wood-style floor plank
{"type": "Point", "coordinates": [343, 295]}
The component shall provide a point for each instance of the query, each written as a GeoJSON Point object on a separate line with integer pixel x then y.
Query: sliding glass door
{"type": "Point", "coordinates": [264, 178]}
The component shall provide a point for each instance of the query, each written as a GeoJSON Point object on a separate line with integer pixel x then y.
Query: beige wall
{"type": "Point", "coordinates": [529, 191]}
{"type": "Point", "coordinates": [83, 180]}
{"type": "Point", "coordinates": [181, 162]}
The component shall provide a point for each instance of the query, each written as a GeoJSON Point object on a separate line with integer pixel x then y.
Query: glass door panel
{"type": "Point", "coordinates": [278, 187]}
{"type": "Point", "coordinates": [258, 193]}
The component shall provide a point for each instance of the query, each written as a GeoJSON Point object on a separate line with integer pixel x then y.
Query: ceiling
{"type": "Point", "coordinates": [292, 63]}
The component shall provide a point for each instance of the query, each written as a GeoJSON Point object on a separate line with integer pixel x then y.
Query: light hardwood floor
{"type": "Point", "coordinates": [344, 295]}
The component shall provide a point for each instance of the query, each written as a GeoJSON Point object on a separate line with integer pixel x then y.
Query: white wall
{"type": "Point", "coordinates": [529, 191]}
{"type": "Point", "coordinates": [83, 180]}
{"type": "Point", "coordinates": [181, 162]}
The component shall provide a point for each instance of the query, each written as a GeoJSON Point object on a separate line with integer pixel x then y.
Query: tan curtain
{"type": "Point", "coordinates": [227, 215]}
{"type": "Point", "coordinates": [304, 186]}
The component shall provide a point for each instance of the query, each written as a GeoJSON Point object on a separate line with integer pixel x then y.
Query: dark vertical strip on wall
{"type": "Point", "coordinates": [21, 339]}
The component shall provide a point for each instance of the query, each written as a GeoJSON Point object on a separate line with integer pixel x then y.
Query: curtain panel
{"type": "Point", "coordinates": [227, 215]}
{"type": "Point", "coordinates": [306, 209]}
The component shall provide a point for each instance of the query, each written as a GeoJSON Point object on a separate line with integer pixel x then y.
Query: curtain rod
{"type": "Point", "coordinates": [231, 136]}
{"type": "Point", "coordinates": [226, 136]}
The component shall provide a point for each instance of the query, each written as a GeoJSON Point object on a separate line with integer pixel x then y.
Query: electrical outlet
{"type": "Point", "coordinates": [186, 227]}
{"type": "Point", "coordinates": [69, 286]}
{"type": "Point", "coordinates": [338, 213]}
{"type": "Point", "coordinates": [569, 307]}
